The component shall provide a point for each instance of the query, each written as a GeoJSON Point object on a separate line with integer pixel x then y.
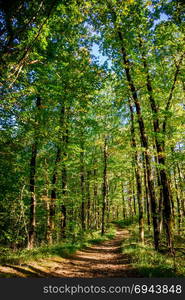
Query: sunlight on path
{"type": "Point", "coordinates": [100, 260]}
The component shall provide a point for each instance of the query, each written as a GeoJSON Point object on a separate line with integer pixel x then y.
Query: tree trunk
{"type": "Point", "coordinates": [179, 215]}
{"type": "Point", "coordinates": [104, 190]}
{"type": "Point", "coordinates": [88, 200]}
{"type": "Point", "coordinates": [95, 200]}
{"type": "Point", "coordinates": [64, 176]}
{"type": "Point", "coordinates": [53, 199]}
{"type": "Point", "coordinates": [137, 176]}
{"type": "Point", "coordinates": [31, 233]}
{"type": "Point", "coordinates": [82, 182]}
{"type": "Point", "coordinates": [123, 201]}
{"type": "Point", "coordinates": [148, 205]}
{"type": "Point", "coordinates": [161, 160]}
{"type": "Point", "coordinates": [32, 224]}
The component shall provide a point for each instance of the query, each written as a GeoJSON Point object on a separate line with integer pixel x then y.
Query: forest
{"type": "Point", "coordinates": [92, 143]}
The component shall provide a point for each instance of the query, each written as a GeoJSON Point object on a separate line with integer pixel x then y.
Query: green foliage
{"type": "Point", "coordinates": [127, 222]}
{"type": "Point", "coordinates": [62, 249]}
{"type": "Point", "coordinates": [149, 262]}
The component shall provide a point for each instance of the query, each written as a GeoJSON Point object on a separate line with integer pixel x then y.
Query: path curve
{"type": "Point", "coordinates": [100, 260]}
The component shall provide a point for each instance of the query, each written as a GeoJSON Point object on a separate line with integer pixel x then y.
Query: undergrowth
{"type": "Point", "coordinates": [149, 262]}
{"type": "Point", "coordinates": [62, 249]}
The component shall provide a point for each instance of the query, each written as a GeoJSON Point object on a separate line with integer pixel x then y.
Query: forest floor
{"type": "Point", "coordinates": [98, 260]}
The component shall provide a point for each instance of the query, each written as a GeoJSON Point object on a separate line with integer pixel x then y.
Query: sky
{"type": "Point", "coordinates": [102, 58]}
{"type": "Point", "coordinates": [97, 53]}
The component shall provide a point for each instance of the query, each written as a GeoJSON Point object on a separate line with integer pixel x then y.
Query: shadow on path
{"type": "Point", "coordinates": [99, 260]}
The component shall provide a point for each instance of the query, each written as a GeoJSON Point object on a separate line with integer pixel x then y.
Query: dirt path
{"type": "Point", "coordinates": [103, 260]}
{"type": "Point", "coordinates": [100, 260]}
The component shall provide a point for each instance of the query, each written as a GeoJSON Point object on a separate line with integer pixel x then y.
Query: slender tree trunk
{"type": "Point", "coordinates": [32, 223]}
{"type": "Point", "coordinates": [95, 200]}
{"type": "Point", "coordinates": [31, 233]}
{"type": "Point", "coordinates": [137, 176]}
{"type": "Point", "coordinates": [178, 203]}
{"type": "Point", "coordinates": [160, 202]}
{"type": "Point", "coordinates": [82, 183]}
{"type": "Point", "coordinates": [104, 190]}
{"type": "Point", "coordinates": [64, 177]}
{"type": "Point", "coordinates": [172, 206]}
{"type": "Point", "coordinates": [88, 199]}
{"type": "Point", "coordinates": [63, 206]}
{"type": "Point", "coordinates": [108, 205]}
{"type": "Point", "coordinates": [50, 228]}
{"type": "Point", "coordinates": [148, 205]}
{"type": "Point", "coordinates": [63, 221]}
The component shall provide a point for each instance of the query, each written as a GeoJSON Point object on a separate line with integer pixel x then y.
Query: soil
{"type": "Point", "coordinates": [99, 260]}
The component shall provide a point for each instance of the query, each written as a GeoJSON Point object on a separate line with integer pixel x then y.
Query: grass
{"type": "Point", "coordinates": [63, 249]}
{"type": "Point", "coordinates": [149, 262]}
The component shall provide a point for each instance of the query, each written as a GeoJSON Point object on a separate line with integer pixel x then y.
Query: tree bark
{"type": "Point", "coordinates": [53, 199]}
{"type": "Point", "coordinates": [104, 189]}
{"type": "Point", "coordinates": [88, 199]}
{"type": "Point", "coordinates": [123, 201]}
{"type": "Point", "coordinates": [137, 176]}
{"type": "Point", "coordinates": [148, 204]}
{"type": "Point", "coordinates": [95, 200]}
{"type": "Point", "coordinates": [65, 141]}
{"type": "Point", "coordinates": [32, 223]}
{"type": "Point", "coordinates": [82, 183]}
{"type": "Point", "coordinates": [31, 233]}
{"type": "Point", "coordinates": [161, 160]}
{"type": "Point", "coordinates": [179, 215]}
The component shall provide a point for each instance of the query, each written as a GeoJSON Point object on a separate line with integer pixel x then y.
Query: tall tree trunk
{"type": "Point", "coordinates": [53, 199]}
{"type": "Point", "coordinates": [179, 215]}
{"type": "Point", "coordinates": [63, 221]}
{"type": "Point", "coordinates": [104, 189]}
{"type": "Point", "coordinates": [82, 183]}
{"type": "Point", "coordinates": [88, 199]}
{"type": "Point", "coordinates": [137, 176]}
{"type": "Point", "coordinates": [161, 159]}
{"type": "Point", "coordinates": [160, 202]}
{"type": "Point", "coordinates": [64, 176]}
{"type": "Point", "coordinates": [32, 223]}
{"type": "Point", "coordinates": [148, 204]}
{"type": "Point", "coordinates": [95, 200]}
{"type": "Point", "coordinates": [31, 233]}
{"type": "Point", "coordinates": [108, 205]}
{"type": "Point", "coordinates": [123, 201]}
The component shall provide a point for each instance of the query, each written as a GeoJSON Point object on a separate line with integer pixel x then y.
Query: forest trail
{"type": "Point", "coordinates": [98, 260]}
